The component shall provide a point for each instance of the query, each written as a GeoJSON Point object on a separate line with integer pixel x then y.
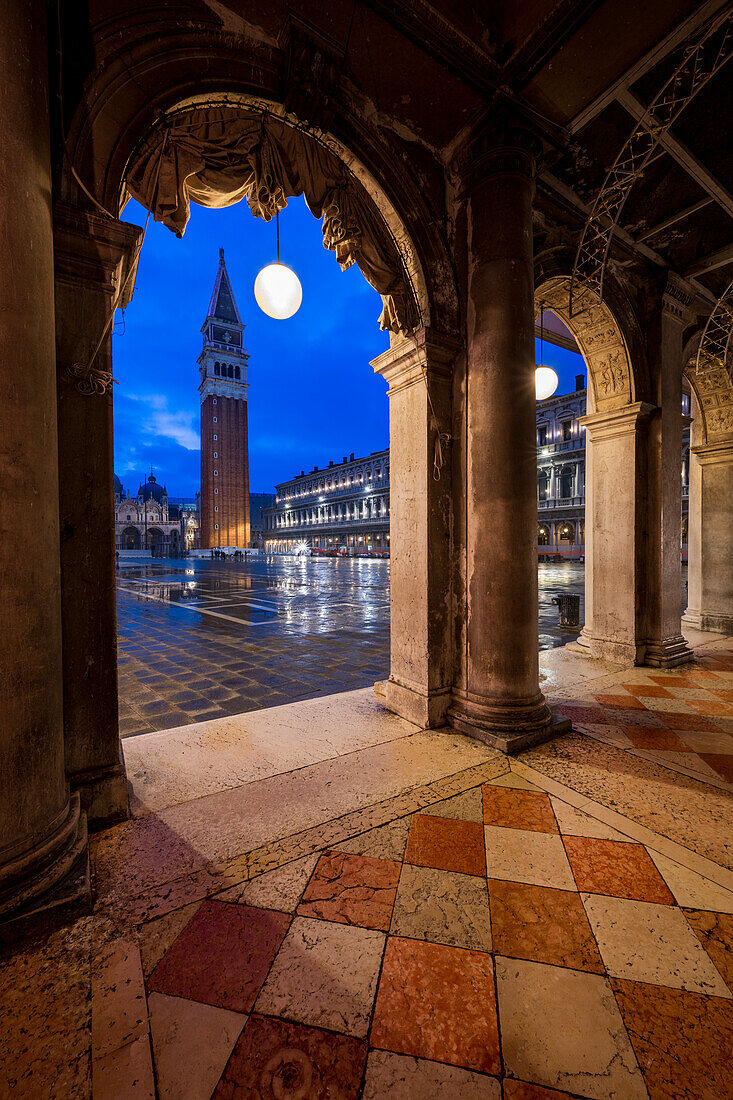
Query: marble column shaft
{"type": "Point", "coordinates": [660, 595]}
{"type": "Point", "coordinates": [497, 697]}
{"type": "Point", "coordinates": [42, 831]}
{"type": "Point", "coordinates": [92, 257]}
{"type": "Point", "coordinates": [421, 666]}
{"type": "Point", "coordinates": [710, 545]}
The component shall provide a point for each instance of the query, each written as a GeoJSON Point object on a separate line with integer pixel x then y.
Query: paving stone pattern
{"type": "Point", "coordinates": [206, 639]}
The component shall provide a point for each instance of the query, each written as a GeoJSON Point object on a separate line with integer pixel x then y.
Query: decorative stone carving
{"type": "Point", "coordinates": [599, 338]}
{"type": "Point", "coordinates": [312, 75]}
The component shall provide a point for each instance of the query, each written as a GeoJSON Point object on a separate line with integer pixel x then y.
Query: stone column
{"type": "Point", "coordinates": [418, 371]}
{"type": "Point", "coordinates": [92, 258]}
{"type": "Point", "coordinates": [615, 511]}
{"type": "Point", "coordinates": [710, 557]}
{"type": "Point", "coordinates": [44, 866]}
{"type": "Point", "coordinates": [496, 697]}
{"type": "Point", "coordinates": [661, 593]}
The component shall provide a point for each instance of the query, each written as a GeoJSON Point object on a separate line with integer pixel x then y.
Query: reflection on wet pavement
{"type": "Point", "coordinates": [205, 639]}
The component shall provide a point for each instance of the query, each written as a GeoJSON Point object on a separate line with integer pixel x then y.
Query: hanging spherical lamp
{"type": "Point", "coordinates": [278, 292]}
{"type": "Point", "coordinates": [546, 380]}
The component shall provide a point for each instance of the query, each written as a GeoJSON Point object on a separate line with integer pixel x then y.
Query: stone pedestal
{"type": "Point", "coordinates": [710, 545]}
{"type": "Point", "coordinates": [42, 829]}
{"type": "Point", "coordinates": [660, 595]}
{"type": "Point", "coordinates": [418, 370]}
{"type": "Point", "coordinates": [615, 510]}
{"type": "Point", "coordinates": [496, 697]}
{"type": "Point", "coordinates": [92, 257]}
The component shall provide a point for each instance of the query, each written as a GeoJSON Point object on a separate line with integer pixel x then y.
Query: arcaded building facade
{"type": "Point", "coordinates": [224, 432]}
{"type": "Point", "coordinates": [342, 507]}
{"type": "Point", "coordinates": [477, 162]}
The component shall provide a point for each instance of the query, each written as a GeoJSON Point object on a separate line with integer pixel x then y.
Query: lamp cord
{"type": "Point", "coordinates": [277, 233]}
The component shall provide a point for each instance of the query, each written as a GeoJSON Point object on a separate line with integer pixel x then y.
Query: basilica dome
{"type": "Point", "coordinates": [152, 490]}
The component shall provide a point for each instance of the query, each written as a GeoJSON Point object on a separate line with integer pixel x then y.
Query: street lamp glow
{"type": "Point", "coordinates": [278, 291]}
{"type": "Point", "coordinates": [546, 382]}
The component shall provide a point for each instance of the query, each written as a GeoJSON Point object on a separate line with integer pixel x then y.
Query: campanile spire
{"type": "Point", "coordinates": [224, 437]}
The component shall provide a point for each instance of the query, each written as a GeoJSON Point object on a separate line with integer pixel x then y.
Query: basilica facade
{"type": "Point", "coordinates": [151, 521]}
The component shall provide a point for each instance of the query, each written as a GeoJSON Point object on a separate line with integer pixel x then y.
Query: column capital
{"type": "Point", "coordinates": [677, 299]}
{"type": "Point", "coordinates": [709, 454]}
{"type": "Point", "coordinates": [410, 358]}
{"type": "Point", "coordinates": [89, 250]}
{"type": "Point", "coordinates": [501, 147]}
{"type": "Point", "coordinates": [604, 425]}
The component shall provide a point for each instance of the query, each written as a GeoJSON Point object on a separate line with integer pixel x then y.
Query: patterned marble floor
{"type": "Point", "coordinates": [323, 901]}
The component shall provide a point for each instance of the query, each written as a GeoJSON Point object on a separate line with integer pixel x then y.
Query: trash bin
{"type": "Point", "coordinates": [568, 605]}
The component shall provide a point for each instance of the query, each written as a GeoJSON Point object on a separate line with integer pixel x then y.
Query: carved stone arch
{"type": "Point", "coordinates": [600, 339]}
{"type": "Point", "coordinates": [172, 63]}
{"type": "Point", "coordinates": [713, 390]}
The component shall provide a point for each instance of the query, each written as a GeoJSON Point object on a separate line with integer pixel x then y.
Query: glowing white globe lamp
{"type": "Point", "coordinates": [278, 292]}
{"type": "Point", "coordinates": [546, 382]}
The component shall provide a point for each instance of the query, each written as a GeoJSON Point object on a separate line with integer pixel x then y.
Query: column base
{"type": "Point", "coordinates": [508, 729]}
{"type": "Point", "coordinates": [668, 653]}
{"type": "Point", "coordinates": [704, 620]}
{"type": "Point", "coordinates": [103, 793]}
{"type": "Point", "coordinates": [59, 891]}
{"type": "Point", "coordinates": [424, 709]}
{"type": "Point", "coordinates": [604, 649]}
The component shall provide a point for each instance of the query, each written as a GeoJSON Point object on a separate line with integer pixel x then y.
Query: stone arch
{"type": "Point", "coordinates": [175, 65]}
{"type": "Point", "coordinates": [712, 386]}
{"type": "Point", "coordinates": [600, 339]}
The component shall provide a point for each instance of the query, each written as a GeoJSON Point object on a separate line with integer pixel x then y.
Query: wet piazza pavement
{"type": "Point", "coordinates": [207, 639]}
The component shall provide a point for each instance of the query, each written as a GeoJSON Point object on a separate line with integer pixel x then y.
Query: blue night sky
{"type": "Point", "coordinates": [313, 396]}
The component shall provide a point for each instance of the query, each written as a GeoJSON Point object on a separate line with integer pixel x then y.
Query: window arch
{"type": "Point", "coordinates": [237, 373]}
{"type": "Point", "coordinates": [216, 368]}
{"type": "Point", "coordinates": [543, 536]}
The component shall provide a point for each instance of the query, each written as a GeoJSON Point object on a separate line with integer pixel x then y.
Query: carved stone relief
{"type": "Point", "coordinates": [599, 339]}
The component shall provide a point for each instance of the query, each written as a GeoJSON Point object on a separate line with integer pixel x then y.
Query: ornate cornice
{"type": "Point", "coordinates": [502, 147]}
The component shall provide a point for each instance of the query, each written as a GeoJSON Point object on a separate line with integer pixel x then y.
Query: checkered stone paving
{"type": "Point", "coordinates": [499, 943]}
{"type": "Point", "coordinates": [682, 718]}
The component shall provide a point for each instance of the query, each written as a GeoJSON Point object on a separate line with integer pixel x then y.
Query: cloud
{"type": "Point", "coordinates": [160, 420]}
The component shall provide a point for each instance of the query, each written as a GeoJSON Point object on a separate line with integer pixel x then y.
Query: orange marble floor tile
{"type": "Point", "coordinates": [280, 1059]}
{"type": "Point", "coordinates": [615, 868]}
{"type": "Point", "coordinates": [726, 694]}
{"type": "Point", "coordinates": [682, 1040]}
{"type": "Point", "coordinates": [447, 844]}
{"type": "Point", "coordinates": [678, 721]}
{"type": "Point", "coordinates": [222, 956]}
{"type": "Point", "coordinates": [651, 691]}
{"type": "Point", "coordinates": [523, 1090]}
{"type": "Point", "coordinates": [516, 809]}
{"type": "Point", "coordinates": [672, 681]}
{"type": "Point", "coordinates": [711, 707]}
{"type": "Point", "coordinates": [651, 737]}
{"type": "Point", "coordinates": [721, 763]}
{"type": "Point", "coordinates": [620, 702]}
{"type": "Point", "coordinates": [715, 932]}
{"type": "Point", "coordinates": [438, 1002]}
{"type": "Point", "coordinates": [542, 925]}
{"type": "Point", "coordinates": [352, 889]}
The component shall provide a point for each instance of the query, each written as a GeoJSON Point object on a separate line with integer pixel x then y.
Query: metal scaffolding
{"type": "Point", "coordinates": [702, 57]}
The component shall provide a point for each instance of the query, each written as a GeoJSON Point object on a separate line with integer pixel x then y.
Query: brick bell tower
{"type": "Point", "coordinates": [224, 442]}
